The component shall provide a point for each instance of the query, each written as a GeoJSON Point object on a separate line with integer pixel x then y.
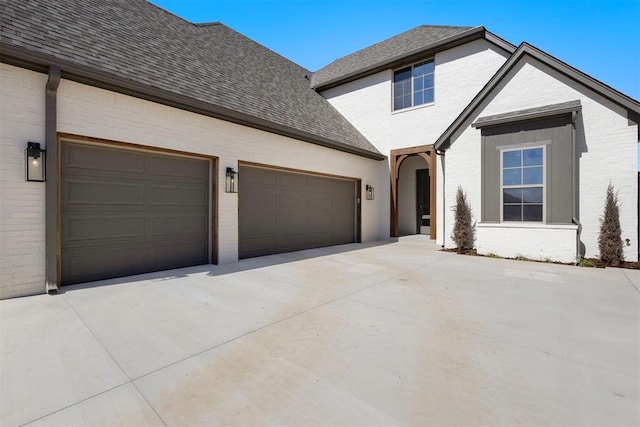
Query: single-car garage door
{"type": "Point", "coordinates": [283, 211]}
{"type": "Point", "coordinates": [127, 212]}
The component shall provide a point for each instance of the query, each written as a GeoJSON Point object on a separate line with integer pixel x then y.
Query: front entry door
{"type": "Point", "coordinates": [423, 217]}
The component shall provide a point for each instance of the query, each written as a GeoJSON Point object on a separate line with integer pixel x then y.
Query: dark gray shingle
{"type": "Point", "coordinates": [386, 51]}
{"type": "Point", "coordinates": [211, 63]}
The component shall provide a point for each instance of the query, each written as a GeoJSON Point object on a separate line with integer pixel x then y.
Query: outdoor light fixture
{"type": "Point", "coordinates": [370, 195]}
{"type": "Point", "coordinates": [35, 166]}
{"type": "Point", "coordinates": [231, 183]}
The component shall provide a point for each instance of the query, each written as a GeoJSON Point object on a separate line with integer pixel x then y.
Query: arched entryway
{"type": "Point", "coordinates": [397, 157]}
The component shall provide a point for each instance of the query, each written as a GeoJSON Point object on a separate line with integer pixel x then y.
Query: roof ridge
{"type": "Point", "coordinates": [166, 12]}
{"type": "Point", "coordinates": [260, 45]}
{"type": "Point", "coordinates": [208, 24]}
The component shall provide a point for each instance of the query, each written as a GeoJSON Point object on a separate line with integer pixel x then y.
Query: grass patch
{"type": "Point", "coordinates": [586, 262]}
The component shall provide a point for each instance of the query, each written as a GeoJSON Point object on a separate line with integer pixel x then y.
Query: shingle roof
{"type": "Point", "coordinates": [211, 65]}
{"type": "Point", "coordinates": [406, 44]}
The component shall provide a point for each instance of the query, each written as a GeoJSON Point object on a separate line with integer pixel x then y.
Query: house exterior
{"type": "Point", "coordinates": [145, 120]}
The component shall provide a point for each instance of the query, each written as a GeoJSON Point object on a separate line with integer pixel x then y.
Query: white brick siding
{"type": "Point", "coordinates": [538, 242]}
{"type": "Point", "coordinates": [605, 139]}
{"type": "Point", "coordinates": [89, 111]}
{"type": "Point", "coordinates": [459, 74]}
{"type": "Point", "coordinates": [22, 229]}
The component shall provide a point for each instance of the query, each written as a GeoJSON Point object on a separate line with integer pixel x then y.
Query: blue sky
{"type": "Point", "coordinates": [599, 37]}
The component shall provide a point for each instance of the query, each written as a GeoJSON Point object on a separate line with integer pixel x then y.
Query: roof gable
{"type": "Point", "coordinates": [403, 48]}
{"type": "Point", "coordinates": [137, 48]}
{"type": "Point", "coordinates": [524, 50]}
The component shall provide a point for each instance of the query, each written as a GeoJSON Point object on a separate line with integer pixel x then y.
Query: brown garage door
{"type": "Point", "coordinates": [284, 211]}
{"type": "Point", "coordinates": [127, 212]}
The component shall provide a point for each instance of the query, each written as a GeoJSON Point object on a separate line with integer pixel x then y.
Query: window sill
{"type": "Point", "coordinates": [417, 107]}
{"type": "Point", "coordinates": [527, 225]}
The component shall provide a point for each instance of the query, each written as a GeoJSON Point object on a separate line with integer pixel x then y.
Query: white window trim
{"type": "Point", "coordinates": [526, 146]}
{"type": "Point", "coordinates": [412, 107]}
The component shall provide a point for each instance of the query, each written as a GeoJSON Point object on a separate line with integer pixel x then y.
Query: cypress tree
{"type": "Point", "coordinates": [462, 233]}
{"type": "Point", "coordinates": [610, 239]}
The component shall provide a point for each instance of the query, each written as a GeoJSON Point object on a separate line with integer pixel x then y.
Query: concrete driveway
{"type": "Point", "coordinates": [382, 334]}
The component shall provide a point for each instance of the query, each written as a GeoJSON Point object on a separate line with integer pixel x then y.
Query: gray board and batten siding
{"type": "Point", "coordinates": [282, 211]}
{"type": "Point", "coordinates": [556, 134]}
{"type": "Point", "coordinates": [127, 212]}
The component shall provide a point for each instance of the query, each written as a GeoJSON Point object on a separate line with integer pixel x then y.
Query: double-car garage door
{"type": "Point", "coordinates": [282, 211]}
{"type": "Point", "coordinates": [127, 211]}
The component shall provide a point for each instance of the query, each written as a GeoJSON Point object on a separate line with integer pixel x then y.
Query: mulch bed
{"type": "Point", "coordinates": [633, 265]}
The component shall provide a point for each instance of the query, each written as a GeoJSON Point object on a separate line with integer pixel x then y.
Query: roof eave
{"type": "Point", "coordinates": [444, 44]}
{"type": "Point", "coordinates": [500, 42]}
{"type": "Point", "coordinates": [439, 46]}
{"type": "Point", "coordinates": [39, 62]}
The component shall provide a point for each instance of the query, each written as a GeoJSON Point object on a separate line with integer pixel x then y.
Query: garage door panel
{"type": "Point", "coordinates": [309, 212]}
{"type": "Point", "coordinates": [321, 202]}
{"type": "Point", "coordinates": [82, 265]}
{"type": "Point", "coordinates": [258, 246]}
{"type": "Point", "coordinates": [291, 181]}
{"type": "Point", "coordinates": [102, 193]}
{"type": "Point", "coordinates": [166, 166]}
{"type": "Point", "coordinates": [319, 222]}
{"type": "Point", "coordinates": [257, 177]}
{"type": "Point", "coordinates": [176, 255]}
{"type": "Point", "coordinates": [343, 189]}
{"type": "Point", "coordinates": [96, 158]}
{"type": "Point", "coordinates": [291, 223]}
{"type": "Point", "coordinates": [183, 225]}
{"type": "Point", "coordinates": [178, 196]}
{"type": "Point", "coordinates": [258, 199]}
{"type": "Point", "coordinates": [115, 223]}
{"type": "Point", "coordinates": [320, 185]}
{"type": "Point", "coordinates": [258, 224]}
{"type": "Point", "coordinates": [341, 238]}
{"type": "Point", "coordinates": [318, 240]}
{"type": "Point", "coordinates": [101, 227]}
{"type": "Point", "coordinates": [290, 201]}
{"type": "Point", "coordinates": [294, 242]}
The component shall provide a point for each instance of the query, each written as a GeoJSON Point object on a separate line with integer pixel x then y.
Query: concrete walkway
{"type": "Point", "coordinates": [382, 334]}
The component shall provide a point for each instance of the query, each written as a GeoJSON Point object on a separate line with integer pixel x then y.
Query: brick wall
{"type": "Point", "coordinates": [88, 111]}
{"type": "Point", "coordinates": [459, 74]}
{"type": "Point", "coordinates": [22, 230]}
{"type": "Point", "coordinates": [605, 139]}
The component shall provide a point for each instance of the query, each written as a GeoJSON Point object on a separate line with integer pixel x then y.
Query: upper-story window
{"type": "Point", "coordinates": [413, 85]}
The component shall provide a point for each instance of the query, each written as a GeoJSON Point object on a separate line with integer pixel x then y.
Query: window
{"type": "Point", "coordinates": [413, 85]}
{"type": "Point", "coordinates": [523, 184]}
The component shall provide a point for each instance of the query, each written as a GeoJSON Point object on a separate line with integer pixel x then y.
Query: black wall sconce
{"type": "Point", "coordinates": [370, 194]}
{"type": "Point", "coordinates": [231, 183]}
{"type": "Point", "coordinates": [36, 164]}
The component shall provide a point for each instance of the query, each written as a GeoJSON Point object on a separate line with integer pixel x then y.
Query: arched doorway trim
{"type": "Point", "coordinates": [428, 153]}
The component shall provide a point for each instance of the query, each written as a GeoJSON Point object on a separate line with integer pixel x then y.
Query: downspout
{"type": "Point", "coordinates": [574, 199]}
{"type": "Point", "coordinates": [51, 185]}
{"type": "Point", "coordinates": [444, 181]}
